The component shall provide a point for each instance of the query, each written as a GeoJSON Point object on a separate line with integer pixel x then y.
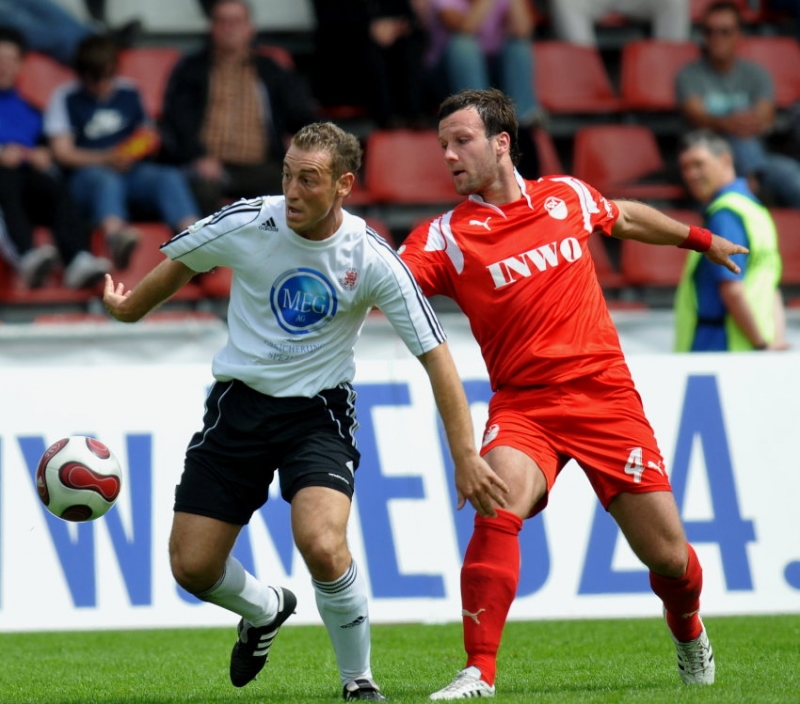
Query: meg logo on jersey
{"type": "Point", "coordinates": [303, 300]}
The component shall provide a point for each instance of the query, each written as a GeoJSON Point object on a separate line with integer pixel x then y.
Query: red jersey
{"type": "Point", "coordinates": [523, 275]}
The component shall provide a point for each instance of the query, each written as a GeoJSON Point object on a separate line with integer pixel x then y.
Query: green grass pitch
{"type": "Point", "coordinates": [758, 660]}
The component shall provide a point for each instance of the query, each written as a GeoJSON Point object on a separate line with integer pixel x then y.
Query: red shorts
{"type": "Point", "coordinates": [597, 420]}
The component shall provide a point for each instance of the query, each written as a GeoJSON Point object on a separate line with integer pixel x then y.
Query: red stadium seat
{"type": "Point", "coordinates": [648, 71]}
{"type": "Point", "coordinates": [149, 68]}
{"type": "Point", "coordinates": [787, 222]}
{"type": "Point", "coordinates": [781, 57]}
{"type": "Point", "coordinates": [278, 54]}
{"type": "Point", "coordinates": [407, 167]}
{"type": "Point", "coordinates": [648, 265]}
{"type": "Point", "coordinates": [216, 283]}
{"type": "Point", "coordinates": [572, 79]}
{"type": "Point", "coordinates": [382, 229]}
{"type": "Point", "coordinates": [40, 76]}
{"type": "Point", "coordinates": [685, 215]}
{"type": "Point", "coordinates": [616, 159]}
{"type": "Point", "coordinates": [359, 196]}
{"type": "Point", "coordinates": [656, 266]}
{"type": "Point", "coordinates": [145, 257]}
{"type": "Point", "coordinates": [607, 275]}
{"type": "Point", "coordinates": [549, 160]}
{"type": "Point", "coordinates": [53, 293]}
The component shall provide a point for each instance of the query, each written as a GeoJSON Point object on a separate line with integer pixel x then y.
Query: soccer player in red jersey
{"type": "Point", "coordinates": [514, 256]}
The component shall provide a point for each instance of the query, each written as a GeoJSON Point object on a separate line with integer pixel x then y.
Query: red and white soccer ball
{"type": "Point", "coordinates": [78, 478]}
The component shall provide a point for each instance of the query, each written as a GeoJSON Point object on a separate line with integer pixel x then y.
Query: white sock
{"type": "Point", "coordinates": [343, 607]}
{"type": "Point", "coordinates": [240, 592]}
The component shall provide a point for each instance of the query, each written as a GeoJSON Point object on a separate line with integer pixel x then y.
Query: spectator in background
{"type": "Point", "coordinates": [32, 191]}
{"type": "Point", "coordinates": [736, 98]}
{"type": "Point", "coordinates": [574, 20]}
{"type": "Point", "coordinates": [99, 131]}
{"type": "Point", "coordinates": [717, 309]}
{"type": "Point", "coordinates": [49, 28]}
{"type": "Point", "coordinates": [483, 44]}
{"type": "Point", "coordinates": [385, 40]}
{"type": "Point", "coordinates": [227, 111]}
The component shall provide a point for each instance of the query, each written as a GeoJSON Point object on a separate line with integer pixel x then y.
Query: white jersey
{"type": "Point", "coordinates": [297, 306]}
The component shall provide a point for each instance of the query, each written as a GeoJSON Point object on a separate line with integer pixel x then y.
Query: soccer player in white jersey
{"type": "Point", "coordinates": [306, 274]}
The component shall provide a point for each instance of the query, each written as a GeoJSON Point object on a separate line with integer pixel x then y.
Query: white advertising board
{"type": "Point", "coordinates": [726, 425]}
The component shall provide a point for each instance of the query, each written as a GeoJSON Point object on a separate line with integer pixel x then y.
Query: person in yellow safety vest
{"type": "Point", "coordinates": [715, 309]}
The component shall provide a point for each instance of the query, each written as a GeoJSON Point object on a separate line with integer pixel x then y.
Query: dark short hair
{"type": "Point", "coordinates": [97, 57]}
{"type": "Point", "coordinates": [11, 35]}
{"type": "Point", "coordinates": [343, 147]}
{"type": "Point", "coordinates": [725, 6]}
{"type": "Point", "coordinates": [715, 143]}
{"type": "Point", "coordinates": [495, 109]}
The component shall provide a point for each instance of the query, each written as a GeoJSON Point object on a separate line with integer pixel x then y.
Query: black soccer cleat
{"type": "Point", "coordinates": [251, 651]}
{"type": "Point", "coordinates": [362, 689]}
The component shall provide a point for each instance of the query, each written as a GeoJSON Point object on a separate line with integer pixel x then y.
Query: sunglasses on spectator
{"type": "Point", "coordinates": [721, 31]}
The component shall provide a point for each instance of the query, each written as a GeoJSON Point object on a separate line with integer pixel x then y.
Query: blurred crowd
{"type": "Point", "coordinates": [97, 156]}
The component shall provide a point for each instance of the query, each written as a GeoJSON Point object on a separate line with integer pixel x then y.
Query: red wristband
{"type": "Point", "coordinates": [699, 239]}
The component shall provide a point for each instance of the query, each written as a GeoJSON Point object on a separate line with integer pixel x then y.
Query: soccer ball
{"type": "Point", "coordinates": [78, 478]}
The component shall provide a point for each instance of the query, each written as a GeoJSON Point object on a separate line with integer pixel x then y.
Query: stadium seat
{"type": "Point", "coordinates": [685, 215]}
{"type": "Point", "coordinates": [382, 229]}
{"type": "Point", "coordinates": [215, 283]}
{"type": "Point", "coordinates": [607, 275]}
{"type": "Point", "coordinates": [278, 54]}
{"type": "Point", "coordinates": [651, 266]}
{"type": "Point", "coordinates": [549, 160]}
{"type": "Point", "coordinates": [150, 68]}
{"type": "Point", "coordinates": [572, 79]}
{"type": "Point", "coordinates": [407, 167]}
{"type": "Point", "coordinates": [359, 196]}
{"type": "Point", "coordinates": [648, 70]}
{"type": "Point", "coordinates": [787, 222]}
{"type": "Point", "coordinates": [53, 293]}
{"type": "Point", "coordinates": [623, 161]}
{"type": "Point", "coordinates": [781, 57]}
{"type": "Point", "coordinates": [146, 256]}
{"type": "Point", "coordinates": [40, 76]}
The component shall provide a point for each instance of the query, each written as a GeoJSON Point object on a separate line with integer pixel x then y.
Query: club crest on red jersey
{"type": "Point", "coordinates": [556, 208]}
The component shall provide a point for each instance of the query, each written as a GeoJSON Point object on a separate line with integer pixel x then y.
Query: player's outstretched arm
{"type": "Point", "coordinates": [475, 480]}
{"type": "Point", "coordinates": [641, 222]}
{"type": "Point", "coordinates": [155, 288]}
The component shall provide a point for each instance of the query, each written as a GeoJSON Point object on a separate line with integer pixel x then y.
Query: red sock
{"type": "Point", "coordinates": [489, 579]}
{"type": "Point", "coordinates": [681, 597]}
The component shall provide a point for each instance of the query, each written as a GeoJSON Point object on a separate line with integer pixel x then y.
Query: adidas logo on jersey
{"type": "Point", "coordinates": [268, 225]}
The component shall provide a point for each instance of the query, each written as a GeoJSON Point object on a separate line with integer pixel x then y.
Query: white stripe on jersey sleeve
{"type": "Point", "coordinates": [588, 206]}
{"type": "Point", "coordinates": [409, 311]}
{"type": "Point", "coordinates": [440, 237]}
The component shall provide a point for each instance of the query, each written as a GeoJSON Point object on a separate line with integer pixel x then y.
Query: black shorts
{"type": "Point", "coordinates": [248, 435]}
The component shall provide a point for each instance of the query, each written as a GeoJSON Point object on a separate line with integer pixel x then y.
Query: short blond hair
{"type": "Point", "coordinates": [344, 148]}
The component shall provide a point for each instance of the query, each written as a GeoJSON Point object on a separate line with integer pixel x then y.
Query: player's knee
{"type": "Point", "coordinates": [326, 556]}
{"type": "Point", "coordinates": [669, 563]}
{"type": "Point", "coordinates": [195, 576]}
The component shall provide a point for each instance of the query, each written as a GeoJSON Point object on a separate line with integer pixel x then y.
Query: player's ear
{"type": "Point", "coordinates": [344, 184]}
{"type": "Point", "coordinates": [503, 142]}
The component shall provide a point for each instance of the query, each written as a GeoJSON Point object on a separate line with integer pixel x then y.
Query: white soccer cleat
{"type": "Point", "coordinates": [466, 685]}
{"type": "Point", "coordinates": [696, 660]}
